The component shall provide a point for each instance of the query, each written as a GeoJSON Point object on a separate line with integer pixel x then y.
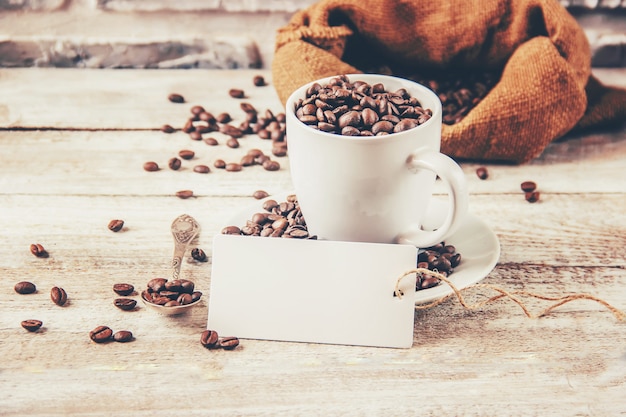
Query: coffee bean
{"type": "Point", "coordinates": [428, 282]}
{"type": "Point", "coordinates": [232, 131]}
{"type": "Point", "coordinates": [195, 135]}
{"type": "Point", "coordinates": [219, 163]}
{"type": "Point", "coordinates": [233, 167]}
{"type": "Point", "coordinates": [201, 169]}
{"type": "Point", "coordinates": [197, 110]}
{"type": "Point", "coordinates": [198, 254]}
{"type": "Point", "coordinates": [258, 80]}
{"type": "Point", "coordinates": [270, 165]}
{"type": "Point", "coordinates": [236, 93]}
{"type": "Point", "coordinates": [186, 154]}
{"type": "Point", "coordinates": [116, 225]}
{"type": "Point", "coordinates": [231, 230]}
{"type": "Point", "coordinates": [176, 98]}
{"type": "Point", "coordinates": [223, 118]}
{"type": "Point", "coordinates": [211, 141]}
{"type": "Point", "coordinates": [187, 286]}
{"type": "Point", "coordinates": [125, 304]}
{"type": "Point", "coordinates": [209, 339]}
{"type": "Point", "coordinates": [195, 296]}
{"type": "Point", "coordinates": [25, 287]}
{"type": "Point", "coordinates": [101, 334]}
{"type": "Point", "coordinates": [260, 194]}
{"type": "Point", "coordinates": [58, 296]}
{"type": "Point", "coordinates": [279, 151]}
{"type": "Point", "coordinates": [207, 117]}
{"type": "Point", "coordinates": [482, 173]}
{"type": "Point", "coordinates": [32, 325]}
{"type": "Point", "coordinates": [184, 194]}
{"type": "Point", "coordinates": [156, 284]}
{"type": "Point", "coordinates": [232, 143]}
{"type": "Point", "coordinates": [188, 127]}
{"type": "Point", "coordinates": [171, 303]}
{"type": "Point", "coordinates": [174, 163]}
{"type": "Point", "coordinates": [269, 205]}
{"type": "Point", "coordinates": [38, 250]}
{"type": "Point", "coordinates": [528, 186]}
{"type": "Point", "coordinates": [123, 336]}
{"type": "Point", "coordinates": [123, 289]}
{"type": "Point", "coordinates": [229, 343]}
{"type": "Point", "coordinates": [151, 166]}
{"type": "Point", "coordinates": [532, 197]}
{"type": "Point", "coordinates": [167, 129]}
{"type": "Point", "coordinates": [184, 299]}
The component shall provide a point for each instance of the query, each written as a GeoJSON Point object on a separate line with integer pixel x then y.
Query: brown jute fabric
{"type": "Point", "coordinates": [541, 54]}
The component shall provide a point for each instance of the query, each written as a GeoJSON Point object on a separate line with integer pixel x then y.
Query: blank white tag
{"type": "Point", "coordinates": [311, 291]}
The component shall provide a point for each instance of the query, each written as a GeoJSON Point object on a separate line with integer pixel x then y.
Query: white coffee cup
{"type": "Point", "coordinates": [374, 189]}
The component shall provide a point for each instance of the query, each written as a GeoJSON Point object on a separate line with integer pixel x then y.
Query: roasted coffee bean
{"type": "Point", "coordinates": [223, 118]}
{"type": "Point", "coordinates": [232, 131]}
{"type": "Point", "coordinates": [219, 163]}
{"type": "Point", "coordinates": [532, 197]}
{"type": "Point", "coordinates": [231, 230]}
{"type": "Point", "coordinates": [428, 282]}
{"type": "Point", "coordinates": [58, 296]}
{"type": "Point", "coordinates": [269, 205]}
{"type": "Point", "coordinates": [171, 303]}
{"type": "Point", "coordinates": [232, 143]}
{"type": "Point", "coordinates": [205, 116]}
{"type": "Point", "coordinates": [184, 194]}
{"type": "Point", "coordinates": [229, 343]}
{"type": "Point", "coordinates": [174, 163]}
{"type": "Point", "coordinates": [270, 165]}
{"type": "Point", "coordinates": [248, 108]}
{"type": "Point", "coordinates": [125, 304]}
{"type": "Point", "coordinates": [195, 135]}
{"type": "Point", "coordinates": [101, 334]}
{"type": "Point", "coordinates": [201, 169]}
{"type": "Point", "coordinates": [528, 186]}
{"type": "Point", "coordinates": [236, 93]}
{"type": "Point", "coordinates": [258, 81]}
{"type": "Point", "coordinates": [195, 296]}
{"type": "Point", "coordinates": [32, 325]}
{"type": "Point", "coordinates": [247, 160]}
{"type": "Point", "coordinates": [187, 286]}
{"type": "Point", "coordinates": [482, 173]}
{"type": "Point", "coordinates": [167, 129]}
{"type": "Point", "coordinates": [25, 287]}
{"type": "Point", "coordinates": [188, 127]}
{"type": "Point", "coordinates": [123, 289]}
{"type": "Point", "coordinates": [209, 339]}
{"type": "Point", "coordinates": [156, 284]}
{"type": "Point", "coordinates": [184, 299]}
{"type": "Point", "coordinates": [260, 194]}
{"type": "Point", "coordinates": [198, 254]}
{"type": "Point", "coordinates": [211, 141]}
{"type": "Point", "coordinates": [233, 167]}
{"type": "Point", "coordinates": [151, 166]}
{"type": "Point", "coordinates": [176, 98]}
{"type": "Point", "coordinates": [197, 110]}
{"type": "Point", "coordinates": [123, 336]}
{"type": "Point", "coordinates": [174, 285]}
{"type": "Point", "coordinates": [279, 151]}
{"type": "Point", "coordinates": [38, 250]}
{"type": "Point", "coordinates": [186, 154]}
{"type": "Point", "coordinates": [116, 225]}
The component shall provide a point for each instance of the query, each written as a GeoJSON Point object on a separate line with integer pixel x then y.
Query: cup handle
{"type": "Point", "coordinates": [453, 177]}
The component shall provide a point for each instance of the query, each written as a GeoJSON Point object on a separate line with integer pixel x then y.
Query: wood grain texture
{"type": "Point", "coordinates": [61, 187]}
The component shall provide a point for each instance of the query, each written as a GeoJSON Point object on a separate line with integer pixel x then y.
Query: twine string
{"type": "Point", "coordinates": [502, 293]}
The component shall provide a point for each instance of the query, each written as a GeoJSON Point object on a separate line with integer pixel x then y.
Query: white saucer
{"type": "Point", "coordinates": [474, 240]}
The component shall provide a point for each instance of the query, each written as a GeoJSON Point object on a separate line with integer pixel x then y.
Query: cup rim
{"type": "Point", "coordinates": [300, 92]}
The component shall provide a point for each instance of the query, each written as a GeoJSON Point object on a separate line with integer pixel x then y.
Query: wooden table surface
{"type": "Point", "coordinates": [73, 143]}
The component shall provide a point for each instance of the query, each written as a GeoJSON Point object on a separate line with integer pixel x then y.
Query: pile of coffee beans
{"type": "Point", "coordinates": [440, 258]}
{"type": "Point", "coordinates": [277, 220]}
{"type": "Point", "coordinates": [359, 109]}
{"type": "Point", "coordinates": [177, 292]}
{"type": "Point", "coordinates": [530, 191]}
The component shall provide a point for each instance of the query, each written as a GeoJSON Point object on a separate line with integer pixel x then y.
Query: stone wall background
{"type": "Point", "coordinates": [222, 34]}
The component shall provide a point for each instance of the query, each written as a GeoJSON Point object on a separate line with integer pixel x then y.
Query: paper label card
{"type": "Point", "coordinates": [312, 291]}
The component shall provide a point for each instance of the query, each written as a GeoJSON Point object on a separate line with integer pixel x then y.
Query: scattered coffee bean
{"type": "Point", "coordinates": [184, 194]}
{"type": "Point", "coordinates": [189, 126]}
{"type": "Point", "coordinates": [125, 304]}
{"type": "Point", "coordinates": [258, 81]}
{"type": "Point", "coordinates": [25, 287]}
{"type": "Point", "coordinates": [123, 289]}
{"type": "Point", "coordinates": [197, 110]}
{"type": "Point", "coordinates": [209, 339]}
{"type": "Point", "coordinates": [151, 166]}
{"type": "Point", "coordinates": [38, 250]}
{"type": "Point", "coordinates": [195, 135]}
{"type": "Point", "coordinates": [58, 296]}
{"type": "Point", "coordinates": [176, 98]}
{"type": "Point", "coordinates": [167, 129]}
{"type": "Point", "coordinates": [528, 186]}
{"type": "Point", "coordinates": [229, 343]}
{"type": "Point", "coordinates": [174, 163]}
{"type": "Point", "coordinates": [219, 163]}
{"type": "Point", "coordinates": [101, 334]}
{"type": "Point", "coordinates": [270, 165]}
{"type": "Point", "coordinates": [247, 160]}
{"type": "Point", "coordinates": [211, 141]}
{"type": "Point", "coordinates": [186, 154]}
{"type": "Point", "coordinates": [198, 254]}
{"type": "Point", "coordinates": [236, 93]}
{"type": "Point", "coordinates": [123, 336]}
{"type": "Point", "coordinates": [201, 169]}
{"type": "Point", "coordinates": [482, 173]}
{"type": "Point", "coordinates": [231, 230]}
{"type": "Point", "coordinates": [116, 225]}
{"type": "Point", "coordinates": [260, 194]}
{"type": "Point", "coordinates": [232, 143]}
{"type": "Point", "coordinates": [532, 197]}
{"type": "Point", "coordinates": [233, 167]}
{"type": "Point", "coordinates": [32, 325]}
{"type": "Point", "coordinates": [223, 118]}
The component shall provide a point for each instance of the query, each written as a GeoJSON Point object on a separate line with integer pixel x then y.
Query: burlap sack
{"type": "Point", "coordinates": [538, 49]}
